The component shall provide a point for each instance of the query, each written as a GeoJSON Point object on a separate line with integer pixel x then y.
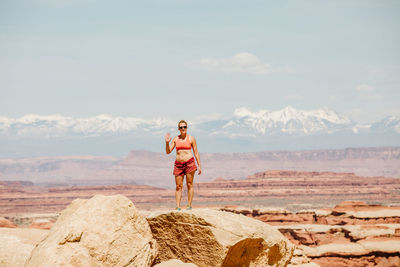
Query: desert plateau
{"type": "Point", "coordinates": [319, 218]}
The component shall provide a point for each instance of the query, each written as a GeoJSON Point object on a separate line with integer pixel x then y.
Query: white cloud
{"type": "Point", "coordinates": [242, 62]}
{"type": "Point", "coordinates": [365, 88]}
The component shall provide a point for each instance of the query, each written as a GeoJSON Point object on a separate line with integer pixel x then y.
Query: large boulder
{"type": "Point", "coordinates": [175, 263]}
{"type": "Point", "coordinates": [208, 237]}
{"type": "Point", "coordinates": [101, 231]}
{"type": "Point", "coordinates": [16, 245]}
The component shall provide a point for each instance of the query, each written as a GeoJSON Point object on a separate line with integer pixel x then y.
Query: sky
{"type": "Point", "coordinates": [185, 59]}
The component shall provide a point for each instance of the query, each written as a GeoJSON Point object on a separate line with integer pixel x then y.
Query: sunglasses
{"type": "Point", "coordinates": [182, 127]}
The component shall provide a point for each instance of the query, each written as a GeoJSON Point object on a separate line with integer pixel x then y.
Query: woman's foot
{"type": "Point", "coordinates": [189, 208]}
{"type": "Point", "coordinates": [178, 209]}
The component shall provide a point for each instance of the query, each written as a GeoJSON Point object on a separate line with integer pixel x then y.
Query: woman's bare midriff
{"type": "Point", "coordinates": [183, 155]}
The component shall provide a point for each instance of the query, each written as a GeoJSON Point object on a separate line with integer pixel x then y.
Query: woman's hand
{"type": "Point", "coordinates": [168, 137]}
{"type": "Point", "coordinates": [199, 170]}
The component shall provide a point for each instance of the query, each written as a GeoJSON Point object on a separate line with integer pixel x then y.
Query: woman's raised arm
{"type": "Point", "coordinates": [169, 146]}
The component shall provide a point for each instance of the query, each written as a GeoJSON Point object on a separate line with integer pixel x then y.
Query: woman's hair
{"type": "Point", "coordinates": [182, 121]}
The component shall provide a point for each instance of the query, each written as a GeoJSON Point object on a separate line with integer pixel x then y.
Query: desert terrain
{"type": "Point", "coordinates": [155, 169]}
{"type": "Point", "coordinates": [333, 218]}
{"type": "Point", "coordinates": [293, 190]}
{"type": "Point", "coordinates": [308, 208]}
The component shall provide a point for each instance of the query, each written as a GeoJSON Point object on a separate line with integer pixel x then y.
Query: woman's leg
{"type": "Point", "coordinates": [178, 190]}
{"type": "Point", "coordinates": [190, 188]}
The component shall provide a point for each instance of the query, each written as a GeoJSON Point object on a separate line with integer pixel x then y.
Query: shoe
{"type": "Point", "coordinates": [189, 208]}
{"type": "Point", "coordinates": [178, 209]}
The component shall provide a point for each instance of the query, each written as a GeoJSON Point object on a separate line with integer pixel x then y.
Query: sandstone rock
{"type": "Point", "coordinates": [359, 209]}
{"type": "Point", "coordinates": [275, 219]}
{"type": "Point", "coordinates": [16, 245]}
{"type": "Point", "coordinates": [101, 231]}
{"type": "Point", "coordinates": [317, 234]}
{"type": "Point", "coordinates": [299, 259]}
{"type": "Point", "coordinates": [42, 224]}
{"type": "Point", "coordinates": [357, 232]}
{"type": "Point", "coordinates": [175, 263]}
{"type": "Point", "coordinates": [309, 264]}
{"type": "Point", "coordinates": [330, 250]}
{"type": "Point", "coordinates": [384, 213]}
{"type": "Point", "coordinates": [6, 223]}
{"type": "Point", "coordinates": [368, 261]}
{"type": "Point", "coordinates": [382, 245]}
{"type": "Point", "coordinates": [215, 238]}
{"type": "Point", "coordinates": [361, 248]}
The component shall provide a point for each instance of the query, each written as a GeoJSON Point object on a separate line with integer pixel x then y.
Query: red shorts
{"type": "Point", "coordinates": [182, 168]}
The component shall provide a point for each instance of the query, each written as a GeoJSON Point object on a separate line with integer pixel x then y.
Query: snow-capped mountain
{"type": "Point", "coordinates": [243, 130]}
{"type": "Point", "coordinates": [58, 126]}
{"type": "Point", "coordinates": [388, 123]}
{"type": "Point", "coordinates": [244, 122]}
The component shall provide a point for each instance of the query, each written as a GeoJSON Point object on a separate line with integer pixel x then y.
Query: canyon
{"type": "Point", "coordinates": [293, 190]}
{"type": "Point", "coordinates": [155, 169]}
{"type": "Point", "coordinates": [302, 205]}
{"type": "Point", "coordinates": [349, 217]}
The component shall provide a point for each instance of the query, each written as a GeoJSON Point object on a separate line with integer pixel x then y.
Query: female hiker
{"type": "Point", "coordinates": [184, 163]}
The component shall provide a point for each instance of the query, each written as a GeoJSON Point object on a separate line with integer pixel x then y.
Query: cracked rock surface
{"type": "Point", "coordinates": [208, 237]}
{"type": "Point", "coordinates": [101, 231]}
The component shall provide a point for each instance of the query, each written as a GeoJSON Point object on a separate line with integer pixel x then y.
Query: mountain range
{"type": "Point", "coordinates": [242, 130]}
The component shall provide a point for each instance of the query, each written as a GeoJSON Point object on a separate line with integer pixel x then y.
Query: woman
{"type": "Point", "coordinates": [184, 164]}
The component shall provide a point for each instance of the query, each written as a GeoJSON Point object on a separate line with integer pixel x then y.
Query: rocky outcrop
{"type": "Point", "coordinates": [101, 231]}
{"type": "Point", "coordinates": [350, 234]}
{"type": "Point", "coordinates": [214, 238]}
{"type": "Point", "coordinates": [175, 263]}
{"type": "Point", "coordinates": [367, 261]}
{"type": "Point", "coordinates": [109, 231]}
{"type": "Point", "coordinates": [6, 223]}
{"type": "Point", "coordinates": [42, 224]}
{"type": "Point", "coordinates": [16, 245]}
{"type": "Point", "coordinates": [346, 213]}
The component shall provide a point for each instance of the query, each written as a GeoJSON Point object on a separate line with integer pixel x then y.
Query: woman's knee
{"type": "Point", "coordinates": [178, 187]}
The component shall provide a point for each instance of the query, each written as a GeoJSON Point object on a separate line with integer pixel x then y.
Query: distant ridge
{"type": "Point", "coordinates": [286, 120]}
{"type": "Point", "coordinates": [155, 168]}
{"type": "Point", "coordinates": [241, 131]}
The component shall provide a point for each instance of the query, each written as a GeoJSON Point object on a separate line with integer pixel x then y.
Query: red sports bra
{"type": "Point", "coordinates": [183, 144]}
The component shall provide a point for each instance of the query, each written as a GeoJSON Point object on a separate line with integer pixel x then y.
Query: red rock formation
{"type": "Point", "coordinates": [300, 174]}
{"type": "Point", "coordinates": [366, 261]}
{"type": "Point", "coordinates": [6, 223]}
{"type": "Point", "coordinates": [283, 187]}
{"type": "Point", "coordinates": [143, 167]}
{"type": "Point", "coordinates": [302, 187]}
{"type": "Point", "coordinates": [42, 224]}
{"type": "Point", "coordinates": [350, 234]}
{"type": "Point", "coordinates": [35, 199]}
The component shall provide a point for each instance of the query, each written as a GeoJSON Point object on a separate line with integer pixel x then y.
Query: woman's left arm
{"type": "Point", "coordinates": [196, 154]}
